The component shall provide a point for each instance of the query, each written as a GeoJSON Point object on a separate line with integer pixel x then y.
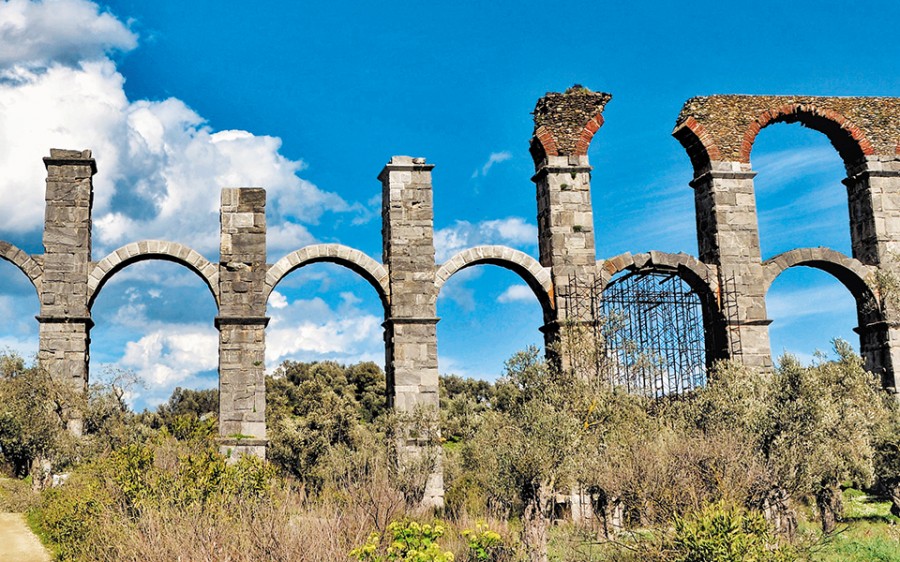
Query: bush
{"type": "Point", "coordinates": [405, 541]}
{"type": "Point", "coordinates": [724, 533]}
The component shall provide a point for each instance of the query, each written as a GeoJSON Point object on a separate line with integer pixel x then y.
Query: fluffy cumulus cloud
{"type": "Point", "coordinates": [310, 329]}
{"type": "Point", "coordinates": [67, 31]}
{"type": "Point", "coordinates": [156, 158]}
{"type": "Point", "coordinates": [511, 231]}
{"type": "Point", "coordinates": [170, 355]}
{"type": "Point", "coordinates": [161, 170]}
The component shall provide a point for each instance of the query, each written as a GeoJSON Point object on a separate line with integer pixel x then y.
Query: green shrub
{"type": "Point", "coordinates": [725, 533]}
{"type": "Point", "coordinates": [405, 541]}
{"type": "Point", "coordinates": [484, 544]}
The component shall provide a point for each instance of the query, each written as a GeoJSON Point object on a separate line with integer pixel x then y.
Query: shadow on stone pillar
{"type": "Point", "coordinates": [564, 125]}
{"type": "Point", "coordinates": [872, 187]}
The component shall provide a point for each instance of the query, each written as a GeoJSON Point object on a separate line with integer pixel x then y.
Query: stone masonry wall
{"type": "Point", "coordinates": [65, 321]}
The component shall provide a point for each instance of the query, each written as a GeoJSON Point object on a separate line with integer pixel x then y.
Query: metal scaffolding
{"type": "Point", "coordinates": [644, 333]}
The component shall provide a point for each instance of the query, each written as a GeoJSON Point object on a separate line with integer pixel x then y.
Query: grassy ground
{"type": "Point", "coordinates": [869, 533]}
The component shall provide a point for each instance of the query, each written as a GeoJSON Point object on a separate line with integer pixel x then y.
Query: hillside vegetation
{"type": "Point", "coordinates": [801, 464]}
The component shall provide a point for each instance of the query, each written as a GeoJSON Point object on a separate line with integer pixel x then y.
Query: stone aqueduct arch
{"type": "Point", "coordinates": [526, 267]}
{"type": "Point", "coordinates": [26, 263]}
{"type": "Point", "coordinates": [354, 260]}
{"type": "Point", "coordinates": [152, 250]}
{"type": "Point", "coordinates": [717, 132]}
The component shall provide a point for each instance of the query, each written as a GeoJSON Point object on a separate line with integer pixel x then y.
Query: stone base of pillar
{"type": "Point", "coordinates": [233, 449]}
{"type": "Point", "coordinates": [434, 487]}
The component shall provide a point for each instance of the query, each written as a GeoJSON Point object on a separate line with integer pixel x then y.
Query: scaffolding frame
{"type": "Point", "coordinates": [643, 332]}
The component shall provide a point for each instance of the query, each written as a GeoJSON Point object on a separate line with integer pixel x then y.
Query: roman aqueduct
{"type": "Point", "coordinates": [718, 134]}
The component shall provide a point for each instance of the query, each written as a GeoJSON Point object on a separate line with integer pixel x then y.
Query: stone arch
{"type": "Point", "coordinates": [536, 276]}
{"type": "Point", "coordinates": [847, 138]}
{"type": "Point", "coordinates": [370, 270]}
{"type": "Point", "coordinates": [26, 264]}
{"type": "Point", "coordinates": [702, 278]}
{"type": "Point", "coordinates": [850, 272]}
{"type": "Point", "coordinates": [152, 250]}
{"type": "Point", "coordinates": [874, 336]}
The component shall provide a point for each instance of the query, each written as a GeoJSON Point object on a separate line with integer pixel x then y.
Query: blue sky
{"type": "Point", "coordinates": [310, 99]}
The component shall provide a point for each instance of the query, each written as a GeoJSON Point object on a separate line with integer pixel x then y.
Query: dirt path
{"type": "Point", "coordinates": [17, 542]}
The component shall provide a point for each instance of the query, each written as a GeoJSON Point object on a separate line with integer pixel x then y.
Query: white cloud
{"type": "Point", "coordinates": [161, 167]}
{"type": "Point", "coordinates": [516, 293]}
{"type": "Point", "coordinates": [777, 169]}
{"type": "Point", "coordinates": [513, 231]}
{"type": "Point", "coordinates": [277, 300]}
{"type": "Point", "coordinates": [791, 305]}
{"type": "Point", "coordinates": [172, 354]}
{"type": "Point", "coordinates": [67, 31]}
{"type": "Point", "coordinates": [494, 158]}
{"type": "Point", "coordinates": [308, 330]}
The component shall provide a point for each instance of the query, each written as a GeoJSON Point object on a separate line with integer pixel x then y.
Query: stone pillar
{"type": "Point", "coordinates": [242, 322]}
{"type": "Point", "coordinates": [64, 320]}
{"type": "Point", "coordinates": [728, 237]}
{"type": "Point", "coordinates": [564, 125]}
{"type": "Point", "coordinates": [411, 322]}
{"type": "Point", "coordinates": [873, 185]}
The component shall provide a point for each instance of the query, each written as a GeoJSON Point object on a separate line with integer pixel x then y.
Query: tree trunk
{"type": "Point", "coordinates": [893, 490]}
{"type": "Point", "coordinates": [831, 508]}
{"type": "Point", "coordinates": [535, 525]}
{"type": "Point", "coordinates": [40, 474]}
{"type": "Point", "coordinates": [611, 512]}
{"type": "Point", "coordinates": [776, 508]}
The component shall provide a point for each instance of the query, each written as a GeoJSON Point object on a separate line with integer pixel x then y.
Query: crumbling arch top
{"type": "Point", "coordinates": [152, 250]}
{"type": "Point", "coordinates": [850, 272]}
{"type": "Point", "coordinates": [367, 268]}
{"type": "Point", "coordinates": [536, 276]}
{"type": "Point", "coordinates": [565, 124]}
{"type": "Point", "coordinates": [26, 264]}
{"type": "Point", "coordinates": [724, 127]}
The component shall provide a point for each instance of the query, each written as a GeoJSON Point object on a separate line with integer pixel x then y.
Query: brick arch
{"type": "Point", "coordinates": [846, 137]}
{"type": "Point", "coordinates": [24, 262]}
{"type": "Point", "coordinates": [543, 143]}
{"type": "Point", "coordinates": [152, 250]}
{"type": "Point", "coordinates": [367, 268]}
{"type": "Point", "coordinates": [536, 276]}
{"type": "Point", "coordinates": [849, 271]}
{"type": "Point", "coordinates": [698, 143]}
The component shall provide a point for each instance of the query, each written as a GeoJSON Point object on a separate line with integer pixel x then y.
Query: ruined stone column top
{"type": "Point", "coordinates": [565, 123]}
{"type": "Point", "coordinates": [61, 157]}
